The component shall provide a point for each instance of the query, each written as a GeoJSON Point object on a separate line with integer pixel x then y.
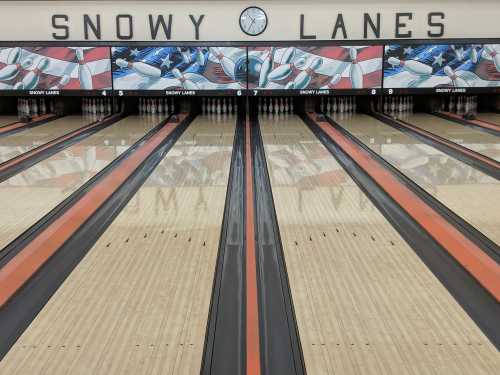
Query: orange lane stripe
{"type": "Point", "coordinates": [28, 154]}
{"type": "Point", "coordinates": [471, 257]}
{"type": "Point", "coordinates": [451, 144]}
{"type": "Point", "coordinates": [477, 122]}
{"type": "Point", "coordinates": [21, 268]}
{"type": "Point", "coordinates": [252, 308]}
{"type": "Point", "coordinates": [18, 125]}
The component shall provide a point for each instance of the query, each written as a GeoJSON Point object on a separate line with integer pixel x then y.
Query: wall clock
{"type": "Point", "coordinates": [253, 21]}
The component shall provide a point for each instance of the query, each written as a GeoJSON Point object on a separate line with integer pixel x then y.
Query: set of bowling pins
{"type": "Point", "coordinates": [31, 107]}
{"type": "Point", "coordinates": [156, 105]}
{"type": "Point", "coordinates": [96, 106]}
{"type": "Point", "coordinates": [275, 105]}
{"type": "Point", "coordinates": [459, 104]}
{"type": "Point", "coordinates": [219, 105]}
{"type": "Point", "coordinates": [338, 104]}
{"type": "Point", "coordinates": [398, 104]}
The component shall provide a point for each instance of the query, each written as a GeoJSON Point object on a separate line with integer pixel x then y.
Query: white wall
{"type": "Point", "coordinates": [31, 20]}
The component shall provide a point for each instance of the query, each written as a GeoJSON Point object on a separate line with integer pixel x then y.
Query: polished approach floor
{"type": "Point", "coordinates": [138, 302]}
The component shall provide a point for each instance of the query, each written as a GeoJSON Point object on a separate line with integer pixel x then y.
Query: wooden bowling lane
{"type": "Point", "coordinates": [21, 142]}
{"type": "Point", "coordinates": [138, 302]}
{"type": "Point", "coordinates": [472, 138]}
{"type": "Point", "coordinates": [5, 120]}
{"type": "Point", "coordinates": [465, 190]}
{"type": "Point", "coordinates": [29, 195]}
{"type": "Point", "coordinates": [364, 301]}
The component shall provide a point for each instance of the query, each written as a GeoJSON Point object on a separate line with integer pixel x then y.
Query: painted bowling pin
{"type": "Point", "coordinates": [412, 66]}
{"type": "Point", "coordinates": [62, 82]}
{"type": "Point", "coordinates": [140, 67]}
{"type": "Point", "coordinates": [355, 72]}
{"type": "Point", "coordinates": [456, 80]}
{"type": "Point", "coordinates": [266, 68]}
{"type": "Point", "coordinates": [30, 80]}
{"type": "Point", "coordinates": [84, 73]}
{"type": "Point", "coordinates": [226, 63]}
{"type": "Point", "coordinates": [494, 56]}
{"type": "Point", "coordinates": [185, 83]}
{"type": "Point", "coordinates": [304, 77]}
{"type": "Point", "coordinates": [335, 79]}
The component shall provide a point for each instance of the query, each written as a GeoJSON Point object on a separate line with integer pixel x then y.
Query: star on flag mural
{"type": "Point", "coordinates": [441, 65]}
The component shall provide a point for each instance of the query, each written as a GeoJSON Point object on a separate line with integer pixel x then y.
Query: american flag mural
{"type": "Point", "coordinates": [55, 68]}
{"type": "Point", "coordinates": [441, 65]}
{"type": "Point", "coordinates": [330, 67]}
{"type": "Point", "coordinates": [179, 68]}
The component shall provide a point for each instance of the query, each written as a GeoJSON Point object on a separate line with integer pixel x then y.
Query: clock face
{"type": "Point", "coordinates": [253, 21]}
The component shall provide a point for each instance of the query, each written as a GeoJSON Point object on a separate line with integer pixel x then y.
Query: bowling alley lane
{"type": "Point", "coordinates": [467, 191]}
{"type": "Point", "coordinates": [5, 120]}
{"type": "Point", "coordinates": [29, 195]}
{"type": "Point", "coordinates": [26, 140]}
{"type": "Point", "coordinates": [138, 302]}
{"type": "Point", "coordinates": [364, 301]}
{"type": "Point", "coordinates": [490, 117]}
{"type": "Point", "coordinates": [474, 139]}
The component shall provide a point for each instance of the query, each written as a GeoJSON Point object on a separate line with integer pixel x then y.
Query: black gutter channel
{"type": "Point", "coordinates": [55, 148]}
{"type": "Point", "coordinates": [469, 231]}
{"type": "Point", "coordinates": [23, 307]}
{"type": "Point", "coordinates": [281, 351]}
{"type": "Point", "coordinates": [469, 160]}
{"type": "Point", "coordinates": [29, 125]}
{"type": "Point", "coordinates": [467, 123]}
{"type": "Point", "coordinates": [224, 349]}
{"type": "Point", "coordinates": [477, 302]}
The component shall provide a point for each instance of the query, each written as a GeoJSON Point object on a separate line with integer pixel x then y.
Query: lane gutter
{"type": "Point", "coordinates": [23, 161]}
{"type": "Point", "coordinates": [474, 159]}
{"type": "Point", "coordinates": [225, 339]}
{"type": "Point", "coordinates": [36, 263]}
{"type": "Point", "coordinates": [470, 275]}
{"type": "Point", "coordinates": [251, 328]}
{"type": "Point", "coordinates": [281, 351]}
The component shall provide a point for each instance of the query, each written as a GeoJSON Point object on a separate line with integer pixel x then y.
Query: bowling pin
{"type": "Point", "coordinates": [494, 56]}
{"type": "Point", "coordinates": [355, 72]}
{"type": "Point", "coordinates": [62, 82]}
{"type": "Point", "coordinates": [226, 63]}
{"type": "Point", "coordinates": [84, 73]}
{"type": "Point", "coordinates": [266, 68]}
{"type": "Point", "coordinates": [335, 79]}
{"type": "Point", "coordinates": [11, 71]}
{"type": "Point", "coordinates": [140, 67]}
{"type": "Point", "coordinates": [412, 66]}
{"type": "Point", "coordinates": [185, 83]}
{"type": "Point", "coordinates": [456, 80]}
{"type": "Point", "coordinates": [30, 80]}
{"type": "Point", "coordinates": [303, 79]}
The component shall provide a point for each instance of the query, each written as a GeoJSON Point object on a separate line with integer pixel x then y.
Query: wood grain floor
{"type": "Point", "coordinates": [138, 302]}
{"type": "Point", "coordinates": [473, 138]}
{"type": "Point", "coordinates": [18, 143]}
{"type": "Point", "coordinates": [467, 191]}
{"type": "Point", "coordinates": [364, 302]}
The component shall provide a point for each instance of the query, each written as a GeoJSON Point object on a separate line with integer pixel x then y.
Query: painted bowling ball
{"type": "Point", "coordinates": [240, 69]}
{"type": "Point", "coordinates": [254, 66]}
